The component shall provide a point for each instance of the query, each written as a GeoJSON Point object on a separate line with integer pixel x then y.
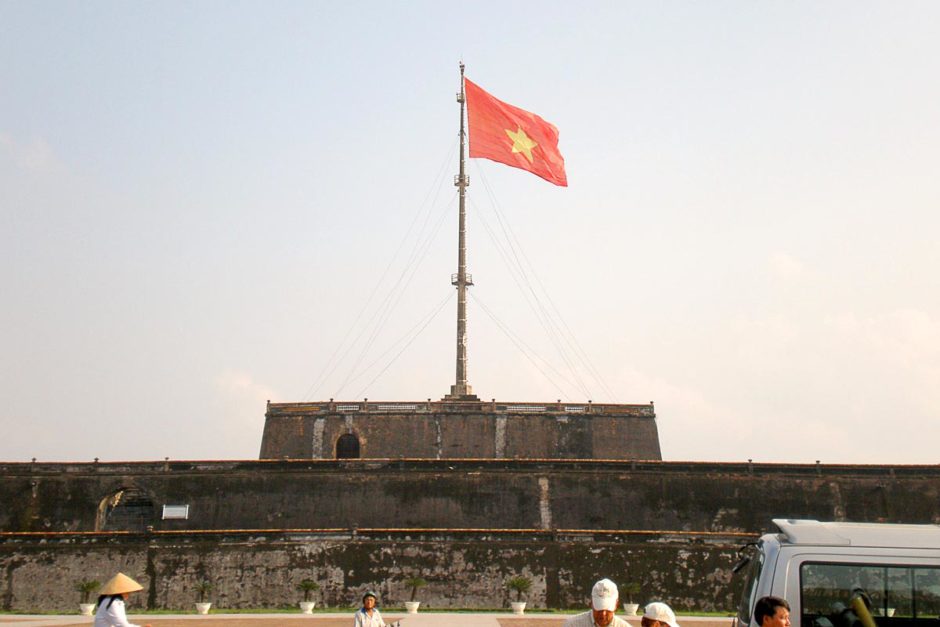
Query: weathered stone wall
{"type": "Point", "coordinates": [455, 494]}
{"type": "Point", "coordinates": [450, 430]}
{"type": "Point", "coordinates": [464, 524]}
{"type": "Point", "coordinates": [464, 569]}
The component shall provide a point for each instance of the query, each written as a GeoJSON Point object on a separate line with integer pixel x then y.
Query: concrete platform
{"type": "Point", "coordinates": [422, 619]}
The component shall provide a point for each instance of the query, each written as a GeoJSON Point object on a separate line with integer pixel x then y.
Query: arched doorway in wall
{"type": "Point", "coordinates": [347, 447]}
{"type": "Point", "coordinates": [126, 509]}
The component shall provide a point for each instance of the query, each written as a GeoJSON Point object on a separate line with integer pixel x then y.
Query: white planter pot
{"type": "Point", "coordinates": [412, 606]}
{"type": "Point", "coordinates": [631, 608]}
{"type": "Point", "coordinates": [86, 609]}
{"type": "Point", "coordinates": [307, 606]}
{"type": "Point", "coordinates": [518, 607]}
{"type": "Point", "coordinates": [203, 608]}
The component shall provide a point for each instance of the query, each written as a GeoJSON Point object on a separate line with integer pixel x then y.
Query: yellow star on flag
{"type": "Point", "coordinates": [521, 142]}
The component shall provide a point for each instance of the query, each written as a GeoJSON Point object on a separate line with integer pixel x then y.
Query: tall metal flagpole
{"type": "Point", "coordinates": [461, 389]}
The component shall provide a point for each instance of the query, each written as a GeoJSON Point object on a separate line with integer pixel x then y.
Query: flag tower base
{"type": "Point", "coordinates": [461, 393]}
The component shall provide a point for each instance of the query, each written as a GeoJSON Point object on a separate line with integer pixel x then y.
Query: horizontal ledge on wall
{"type": "Point", "coordinates": [365, 533]}
{"type": "Point", "coordinates": [457, 464]}
{"type": "Point", "coordinates": [638, 410]}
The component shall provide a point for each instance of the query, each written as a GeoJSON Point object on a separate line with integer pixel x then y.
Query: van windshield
{"type": "Point", "coordinates": [749, 590]}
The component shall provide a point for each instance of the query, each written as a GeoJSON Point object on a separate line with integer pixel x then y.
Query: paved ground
{"type": "Point", "coordinates": [422, 619]}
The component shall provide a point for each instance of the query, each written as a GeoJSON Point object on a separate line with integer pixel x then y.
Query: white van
{"type": "Point", "coordinates": [821, 568]}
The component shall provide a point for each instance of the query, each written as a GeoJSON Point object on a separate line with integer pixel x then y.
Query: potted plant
{"type": "Point", "coordinates": [307, 586]}
{"type": "Point", "coordinates": [85, 587]}
{"type": "Point", "coordinates": [520, 585]}
{"type": "Point", "coordinates": [414, 583]}
{"type": "Point", "coordinates": [629, 591]}
{"type": "Point", "coordinates": [203, 588]}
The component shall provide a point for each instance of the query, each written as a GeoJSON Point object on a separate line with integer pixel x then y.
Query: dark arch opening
{"type": "Point", "coordinates": [347, 447]}
{"type": "Point", "coordinates": [127, 509]}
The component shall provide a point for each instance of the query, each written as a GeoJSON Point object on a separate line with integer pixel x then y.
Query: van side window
{"type": "Point", "coordinates": [835, 595]}
{"type": "Point", "coordinates": [927, 591]}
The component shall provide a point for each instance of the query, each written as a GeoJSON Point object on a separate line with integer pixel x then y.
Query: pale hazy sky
{"type": "Point", "coordinates": [201, 200]}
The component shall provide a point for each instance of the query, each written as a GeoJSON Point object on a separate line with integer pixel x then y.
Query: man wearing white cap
{"type": "Point", "coordinates": [604, 601]}
{"type": "Point", "coordinates": [658, 615]}
{"type": "Point", "coordinates": [369, 615]}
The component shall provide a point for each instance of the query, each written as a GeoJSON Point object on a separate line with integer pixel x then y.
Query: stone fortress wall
{"type": "Point", "coordinates": [464, 568]}
{"type": "Point", "coordinates": [255, 528]}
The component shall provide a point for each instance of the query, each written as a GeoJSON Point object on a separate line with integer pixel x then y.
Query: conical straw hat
{"type": "Point", "coordinates": [120, 584]}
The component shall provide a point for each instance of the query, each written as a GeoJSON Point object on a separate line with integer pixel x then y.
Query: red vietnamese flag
{"type": "Point", "coordinates": [507, 134]}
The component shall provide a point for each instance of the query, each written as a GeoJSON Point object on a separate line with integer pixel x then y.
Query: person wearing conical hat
{"type": "Point", "coordinates": [110, 611]}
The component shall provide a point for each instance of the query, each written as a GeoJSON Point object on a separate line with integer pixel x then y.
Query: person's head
{"type": "Point", "coordinates": [118, 587]}
{"type": "Point", "coordinates": [368, 600]}
{"type": "Point", "coordinates": [604, 601]}
{"type": "Point", "coordinates": [772, 612]}
{"type": "Point", "coordinates": [658, 615]}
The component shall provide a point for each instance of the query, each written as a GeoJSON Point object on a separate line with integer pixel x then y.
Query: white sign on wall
{"type": "Point", "coordinates": [175, 512]}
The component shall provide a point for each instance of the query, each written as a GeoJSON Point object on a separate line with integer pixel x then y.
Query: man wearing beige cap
{"type": "Point", "coordinates": [604, 601]}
